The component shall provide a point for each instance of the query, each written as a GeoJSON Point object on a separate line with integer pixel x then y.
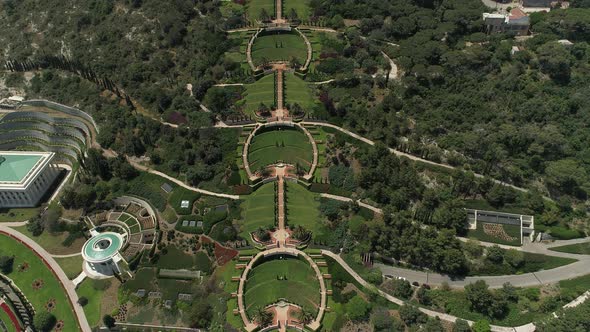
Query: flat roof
{"type": "Point", "coordinates": [20, 168]}
{"type": "Point", "coordinates": [102, 247]}
{"type": "Point", "coordinates": [13, 168]}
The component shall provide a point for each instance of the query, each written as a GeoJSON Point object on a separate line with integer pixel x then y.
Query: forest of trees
{"type": "Point", "coordinates": [143, 46]}
{"type": "Point", "coordinates": [516, 117]}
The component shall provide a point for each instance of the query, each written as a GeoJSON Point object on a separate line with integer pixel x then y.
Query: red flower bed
{"type": "Point", "coordinates": [222, 254]}
{"type": "Point", "coordinates": [11, 315]}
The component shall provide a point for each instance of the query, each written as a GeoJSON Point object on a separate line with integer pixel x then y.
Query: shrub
{"type": "Point", "coordinates": [44, 321]}
{"type": "Point", "coordinates": [6, 263]}
{"type": "Point", "coordinates": [108, 321]}
{"type": "Point", "coordinates": [82, 301]}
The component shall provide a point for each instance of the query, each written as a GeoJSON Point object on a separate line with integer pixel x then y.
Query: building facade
{"type": "Point", "coordinates": [25, 177]}
{"type": "Point", "coordinates": [101, 254]}
{"type": "Point", "coordinates": [517, 22]}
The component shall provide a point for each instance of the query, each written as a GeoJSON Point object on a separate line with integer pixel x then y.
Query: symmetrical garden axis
{"type": "Point", "coordinates": [294, 165]}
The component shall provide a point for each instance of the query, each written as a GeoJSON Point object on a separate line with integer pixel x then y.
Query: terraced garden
{"type": "Point", "coordinates": [282, 278]}
{"type": "Point", "coordinates": [301, 8]}
{"type": "Point", "coordinates": [287, 145]}
{"type": "Point", "coordinates": [258, 209]}
{"type": "Point", "coordinates": [255, 7]}
{"type": "Point", "coordinates": [298, 91]}
{"type": "Point", "coordinates": [261, 91]}
{"type": "Point", "coordinates": [278, 47]}
{"type": "Point", "coordinates": [303, 208]}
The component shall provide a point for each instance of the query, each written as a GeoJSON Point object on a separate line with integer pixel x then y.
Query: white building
{"type": "Point", "coordinates": [25, 177]}
{"type": "Point", "coordinates": [102, 256]}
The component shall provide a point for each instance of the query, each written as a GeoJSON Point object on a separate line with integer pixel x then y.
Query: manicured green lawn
{"type": "Point", "coordinates": [13, 215]}
{"type": "Point", "coordinates": [53, 242]}
{"type": "Point", "coordinates": [258, 210]}
{"type": "Point", "coordinates": [279, 47]}
{"type": "Point", "coordinates": [261, 91]}
{"type": "Point", "coordinates": [288, 145]}
{"type": "Point", "coordinates": [263, 286]}
{"type": "Point", "coordinates": [51, 288]}
{"type": "Point", "coordinates": [512, 231]}
{"type": "Point", "coordinates": [303, 207]}
{"type": "Point", "coordinates": [301, 7]}
{"type": "Point", "coordinates": [72, 266]}
{"type": "Point", "coordinates": [579, 248]}
{"type": "Point", "coordinates": [254, 7]}
{"type": "Point", "coordinates": [298, 91]}
{"type": "Point", "coordinates": [89, 289]}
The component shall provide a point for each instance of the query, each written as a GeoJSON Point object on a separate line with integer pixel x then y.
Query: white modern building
{"type": "Point", "coordinates": [101, 254]}
{"type": "Point", "coordinates": [25, 177]}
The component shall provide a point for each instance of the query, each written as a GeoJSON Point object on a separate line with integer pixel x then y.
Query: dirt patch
{"type": "Point", "coordinates": [351, 287]}
{"type": "Point", "coordinates": [109, 300]}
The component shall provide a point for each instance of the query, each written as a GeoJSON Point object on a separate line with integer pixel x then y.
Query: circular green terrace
{"type": "Point", "coordinates": [102, 247]}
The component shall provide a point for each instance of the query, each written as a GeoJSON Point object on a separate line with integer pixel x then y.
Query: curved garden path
{"type": "Point", "coordinates": [309, 50]}
{"type": "Point", "coordinates": [393, 71]}
{"type": "Point", "coordinates": [251, 326]}
{"type": "Point", "coordinates": [180, 183]}
{"type": "Point", "coordinates": [390, 298]}
{"type": "Point", "coordinates": [246, 148]}
{"type": "Point", "coordinates": [409, 156]}
{"type": "Point", "coordinates": [348, 199]}
{"type": "Point", "coordinates": [68, 286]}
{"type": "Point", "coordinates": [249, 50]}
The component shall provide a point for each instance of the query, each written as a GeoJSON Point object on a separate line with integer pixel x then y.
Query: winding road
{"type": "Point", "coordinates": [446, 317]}
{"type": "Point", "coordinates": [577, 269]}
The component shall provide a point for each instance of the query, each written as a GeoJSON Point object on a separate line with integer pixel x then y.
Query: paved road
{"type": "Point", "coordinates": [577, 269]}
{"type": "Point", "coordinates": [66, 256]}
{"type": "Point", "coordinates": [67, 284]}
{"type": "Point", "coordinates": [431, 313]}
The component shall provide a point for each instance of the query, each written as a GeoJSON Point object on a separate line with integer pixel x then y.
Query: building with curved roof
{"type": "Point", "coordinates": [101, 254]}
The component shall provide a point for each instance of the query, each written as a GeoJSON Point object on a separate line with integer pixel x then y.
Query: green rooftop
{"type": "Point", "coordinates": [13, 168]}
{"type": "Point", "coordinates": [102, 246]}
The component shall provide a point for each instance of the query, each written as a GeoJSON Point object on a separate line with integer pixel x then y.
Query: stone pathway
{"type": "Point", "coordinates": [78, 280]}
{"type": "Point", "coordinates": [281, 234]}
{"type": "Point", "coordinates": [280, 98]}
